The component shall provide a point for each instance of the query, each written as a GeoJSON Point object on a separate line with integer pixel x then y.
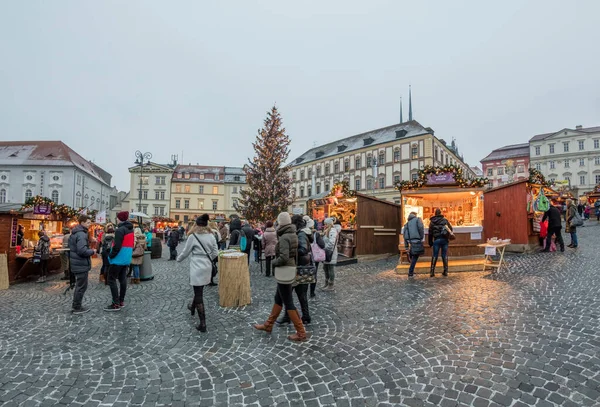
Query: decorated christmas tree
{"type": "Point", "coordinates": [267, 175]}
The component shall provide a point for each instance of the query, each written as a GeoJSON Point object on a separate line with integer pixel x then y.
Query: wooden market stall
{"type": "Point", "coordinates": [369, 225]}
{"type": "Point", "coordinates": [460, 200]}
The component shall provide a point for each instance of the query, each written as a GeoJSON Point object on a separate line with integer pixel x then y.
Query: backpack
{"type": "Point", "coordinates": [243, 240]}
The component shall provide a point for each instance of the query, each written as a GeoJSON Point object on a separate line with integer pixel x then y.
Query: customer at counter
{"type": "Point", "coordinates": [439, 234]}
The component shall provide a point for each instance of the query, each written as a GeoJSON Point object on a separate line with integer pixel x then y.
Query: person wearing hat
{"type": "Point", "coordinates": [285, 254]}
{"type": "Point", "coordinates": [318, 239]}
{"type": "Point", "coordinates": [120, 259]}
{"type": "Point", "coordinates": [80, 261]}
{"type": "Point", "coordinates": [332, 231]}
{"type": "Point", "coordinates": [201, 245]}
{"type": "Point", "coordinates": [439, 238]}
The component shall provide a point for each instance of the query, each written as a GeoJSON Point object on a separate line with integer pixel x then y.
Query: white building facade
{"type": "Point", "coordinates": [53, 170]}
{"type": "Point", "coordinates": [570, 155]}
{"type": "Point", "coordinates": [372, 163]}
{"type": "Point", "coordinates": [150, 189]}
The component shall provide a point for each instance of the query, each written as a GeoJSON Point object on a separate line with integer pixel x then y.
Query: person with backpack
{"type": "Point", "coordinates": [554, 228]}
{"type": "Point", "coordinates": [439, 236]}
{"type": "Point", "coordinates": [120, 260]}
{"type": "Point", "coordinates": [414, 233]}
{"type": "Point", "coordinates": [80, 256]}
{"type": "Point", "coordinates": [42, 252]}
{"type": "Point", "coordinates": [318, 250]}
{"type": "Point", "coordinates": [573, 220]}
{"type": "Point", "coordinates": [235, 232]}
{"type": "Point", "coordinates": [248, 233]}
{"type": "Point", "coordinates": [172, 243]}
{"type": "Point", "coordinates": [107, 240]}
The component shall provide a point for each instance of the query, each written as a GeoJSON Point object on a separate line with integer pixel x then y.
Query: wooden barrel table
{"type": "Point", "coordinates": [156, 248]}
{"type": "Point", "coordinates": [234, 280]}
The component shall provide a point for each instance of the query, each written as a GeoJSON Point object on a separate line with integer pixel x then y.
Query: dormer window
{"type": "Point", "coordinates": [319, 154]}
{"type": "Point", "coordinates": [342, 148]}
{"type": "Point", "coordinates": [13, 155]}
{"type": "Point", "coordinates": [367, 141]}
{"type": "Point", "coordinates": [299, 160]}
{"type": "Point", "coordinates": [401, 133]}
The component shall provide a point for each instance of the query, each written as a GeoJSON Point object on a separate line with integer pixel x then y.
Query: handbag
{"type": "Point", "coordinates": [306, 274]}
{"type": "Point", "coordinates": [285, 274]}
{"type": "Point", "coordinates": [319, 254]}
{"type": "Point", "coordinates": [416, 247]}
{"type": "Point", "coordinates": [213, 262]}
{"type": "Point", "coordinates": [450, 234]}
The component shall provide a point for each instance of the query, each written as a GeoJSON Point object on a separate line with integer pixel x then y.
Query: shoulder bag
{"type": "Point", "coordinates": [576, 220]}
{"type": "Point", "coordinates": [319, 255]}
{"type": "Point", "coordinates": [138, 251]}
{"type": "Point", "coordinates": [306, 274]}
{"type": "Point", "coordinates": [286, 274]}
{"type": "Point", "coordinates": [213, 262]}
{"type": "Point", "coordinates": [416, 246]}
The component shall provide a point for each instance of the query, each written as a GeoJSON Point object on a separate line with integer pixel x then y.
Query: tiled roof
{"type": "Point", "coordinates": [359, 141]}
{"type": "Point", "coordinates": [48, 153]}
{"type": "Point", "coordinates": [511, 151]}
{"type": "Point", "coordinates": [544, 136]}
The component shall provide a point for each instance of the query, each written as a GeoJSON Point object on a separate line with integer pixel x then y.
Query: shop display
{"type": "Point", "coordinates": [460, 208]}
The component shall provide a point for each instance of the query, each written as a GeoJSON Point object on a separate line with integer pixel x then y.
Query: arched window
{"type": "Point", "coordinates": [78, 200]}
{"type": "Point", "coordinates": [28, 194]}
{"type": "Point", "coordinates": [55, 196]}
{"type": "Point", "coordinates": [2, 195]}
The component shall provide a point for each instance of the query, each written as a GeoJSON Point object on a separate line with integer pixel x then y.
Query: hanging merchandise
{"type": "Point", "coordinates": [530, 200]}
{"type": "Point", "coordinates": [541, 203]}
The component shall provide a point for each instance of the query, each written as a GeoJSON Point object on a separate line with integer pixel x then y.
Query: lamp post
{"type": "Point", "coordinates": [140, 157]}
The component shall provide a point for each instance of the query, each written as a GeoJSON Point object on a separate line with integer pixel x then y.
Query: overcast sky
{"type": "Point", "coordinates": [196, 78]}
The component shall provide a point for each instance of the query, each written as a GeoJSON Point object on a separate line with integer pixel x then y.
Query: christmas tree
{"type": "Point", "coordinates": [267, 175]}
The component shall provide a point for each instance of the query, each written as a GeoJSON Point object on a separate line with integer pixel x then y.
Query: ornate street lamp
{"type": "Point", "coordinates": [140, 158]}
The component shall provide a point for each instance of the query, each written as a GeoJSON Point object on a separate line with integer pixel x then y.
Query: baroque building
{"type": "Point", "coordinates": [150, 188]}
{"type": "Point", "coordinates": [506, 164]}
{"type": "Point", "coordinates": [372, 163]}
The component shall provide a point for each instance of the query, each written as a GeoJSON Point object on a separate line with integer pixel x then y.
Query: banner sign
{"type": "Point", "coordinates": [445, 178]}
{"type": "Point", "coordinates": [101, 217]}
{"type": "Point", "coordinates": [42, 209]}
{"type": "Point", "coordinates": [14, 228]}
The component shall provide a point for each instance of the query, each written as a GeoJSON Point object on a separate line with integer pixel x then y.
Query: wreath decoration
{"type": "Point", "coordinates": [431, 170]}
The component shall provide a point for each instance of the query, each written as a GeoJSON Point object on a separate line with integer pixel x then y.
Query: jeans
{"type": "Point", "coordinates": [440, 243]}
{"type": "Point", "coordinates": [222, 246]}
{"type": "Point", "coordinates": [256, 256]}
{"type": "Point", "coordinates": [136, 271]}
{"type": "Point", "coordinates": [173, 251]}
{"type": "Point", "coordinates": [44, 267]}
{"type": "Point", "coordinates": [301, 293]}
{"type": "Point", "coordinates": [283, 296]}
{"type": "Point", "coordinates": [329, 272]}
{"type": "Point", "coordinates": [117, 273]}
{"type": "Point", "coordinates": [80, 288]}
{"type": "Point", "coordinates": [574, 238]}
{"type": "Point", "coordinates": [413, 262]}
{"type": "Point", "coordinates": [105, 264]}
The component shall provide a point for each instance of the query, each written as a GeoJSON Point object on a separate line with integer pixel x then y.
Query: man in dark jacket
{"type": "Point", "coordinates": [554, 227]}
{"type": "Point", "coordinates": [249, 233]}
{"type": "Point", "coordinates": [172, 243]}
{"type": "Point", "coordinates": [120, 259]}
{"type": "Point", "coordinates": [80, 258]}
{"type": "Point", "coordinates": [438, 238]}
{"type": "Point", "coordinates": [235, 231]}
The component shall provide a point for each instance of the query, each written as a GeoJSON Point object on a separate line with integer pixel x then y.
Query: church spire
{"type": "Point", "coordinates": [409, 104]}
{"type": "Point", "coordinates": [401, 121]}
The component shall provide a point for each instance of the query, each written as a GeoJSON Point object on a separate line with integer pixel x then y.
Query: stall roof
{"type": "Point", "coordinates": [9, 207]}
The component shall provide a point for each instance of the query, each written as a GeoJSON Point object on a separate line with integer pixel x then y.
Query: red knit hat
{"type": "Point", "coordinates": [123, 216]}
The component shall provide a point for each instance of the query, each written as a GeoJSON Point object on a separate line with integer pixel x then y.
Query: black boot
{"type": "Point", "coordinates": [432, 269]}
{"type": "Point", "coordinates": [202, 326]}
{"type": "Point", "coordinates": [445, 272]}
{"type": "Point", "coordinates": [285, 318]}
{"type": "Point", "coordinates": [304, 306]}
{"type": "Point", "coordinates": [192, 307]}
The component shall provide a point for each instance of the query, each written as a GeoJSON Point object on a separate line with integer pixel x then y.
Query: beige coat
{"type": "Point", "coordinates": [139, 241]}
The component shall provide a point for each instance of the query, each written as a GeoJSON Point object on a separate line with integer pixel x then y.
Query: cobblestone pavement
{"type": "Point", "coordinates": [520, 338]}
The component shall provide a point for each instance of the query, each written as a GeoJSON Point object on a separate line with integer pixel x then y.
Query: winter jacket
{"type": "Point", "coordinates": [217, 236]}
{"type": "Point", "coordinates": [437, 225]}
{"type": "Point", "coordinates": [140, 241]}
{"type": "Point", "coordinates": [414, 229]}
{"type": "Point", "coordinates": [173, 238]}
{"type": "Point", "coordinates": [43, 247]}
{"type": "Point", "coordinates": [148, 239]}
{"type": "Point", "coordinates": [80, 253]}
{"type": "Point", "coordinates": [269, 241]}
{"type": "Point", "coordinates": [571, 212]}
{"type": "Point", "coordinates": [223, 233]}
{"type": "Point", "coordinates": [553, 216]}
{"type": "Point", "coordinates": [122, 248]}
{"type": "Point", "coordinates": [331, 241]}
{"type": "Point", "coordinates": [235, 231]}
{"type": "Point", "coordinates": [304, 241]}
{"type": "Point", "coordinates": [286, 248]}
{"type": "Point", "coordinates": [249, 232]}
{"type": "Point", "coordinates": [201, 259]}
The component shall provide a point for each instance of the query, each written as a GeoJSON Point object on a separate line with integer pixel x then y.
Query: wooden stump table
{"type": "Point", "coordinates": [234, 280]}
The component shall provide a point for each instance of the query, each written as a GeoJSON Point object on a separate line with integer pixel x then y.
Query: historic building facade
{"type": "Point", "coordinates": [150, 189]}
{"type": "Point", "coordinates": [506, 164]}
{"type": "Point", "coordinates": [52, 169]}
{"type": "Point", "coordinates": [235, 181]}
{"type": "Point", "coordinates": [568, 155]}
{"type": "Point", "coordinates": [372, 162]}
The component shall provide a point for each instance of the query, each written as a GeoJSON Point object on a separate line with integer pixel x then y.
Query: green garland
{"type": "Point", "coordinates": [421, 180]}
{"type": "Point", "coordinates": [346, 191]}
{"type": "Point", "coordinates": [62, 210]}
{"type": "Point", "coordinates": [536, 177]}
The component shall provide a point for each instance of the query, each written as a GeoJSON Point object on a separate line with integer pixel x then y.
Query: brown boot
{"type": "Point", "coordinates": [268, 324]}
{"type": "Point", "coordinates": [300, 335]}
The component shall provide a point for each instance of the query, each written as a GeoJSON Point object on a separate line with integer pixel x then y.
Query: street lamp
{"type": "Point", "coordinates": [140, 157]}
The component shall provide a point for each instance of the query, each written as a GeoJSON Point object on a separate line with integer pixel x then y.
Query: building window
{"type": "Point", "coordinates": [597, 160]}
{"type": "Point", "coordinates": [302, 175]}
{"type": "Point", "coordinates": [2, 195]}
{"type": "Point", "coordinates": [538, 166]}
{"type": "Point", "coordinates": [156, 211]}
{"type": "Point", "coordinates": [78, 179]}
{"type": "Point", "coordinates": [327, 189]}
{"type": "Point", "coordinates": [382, 158]}
{"type": "Point", "coordinates": [177, 203]}
{"type": "Point", "coordinates": [581, 145]}
{"type": "Point", "coordinates": [301, 192]}
{"type": "Point", "coordinates": [200, 203]}
{"type": "Point", "coordinates": [234, 190]}
{"type": "Point", "coordinates": [369, 184]}
{"type": "Point", "coordinates": [178, 175]}
{"type": "Point", "coordinates": [596, 143]}
{"type": "Point", "coordinates": [537, 150]}
{"type": "Point", "coordinates": [436, 154]}
{"type": "Point", "coordinates": [237, 178]}
{"type": "Point", "coordinates": [215, 205]}
{"type": "Point", "coordinates": [369, 161]}
{"type": "Point", "coordinates": [414, 176]}
{"type": "Point", "coordinates": [566, 146]}
{"type": "Point", "coordinates": [186, 189]}
{"type": "Point", "coordinates": [414, 153]}
{"type": "Point", "coordinates": [144, 180]}
{"type": "Point", "coordinates": [346, 165]}
{"type": "Point", "coordinates": [582, 180]}
{"type": "Point", "coordinates": [327, 169]}
{"type": "Point", "coordinates": [318, 170]}
{"type": "Point", "coordinates": [552, 165]}
{"type": "Point", "coordinates": [396, 179]}
{"type": "Point", "coordinates": [186, 204]}
{"type": "Point", "coordinates": [144, 208]}
{"type": "Point", "coordinates": [159, 180]}
{"type": "Point", "coordinates": [310, 173]}
{"type": "Point", "coordinates": [357, 184]}
{"type": "Point", "coordinates": [176, 217]}
{"type": "Point", "coordinates": [500, 170]}
{"type": "Point", "coordinates": [551, 146]}
{"type": "Point", "coordinates": [86, 200]}
{"type": "Point", "coordinates": [357, 163]}
{"type": "Point", "coordinates": [582, 162]}
{"type": "Point", "coordinates": [78, 200]}
{"type": "Point", "coordinates": [187, 175]}
{"type": "Point", "coordinates": [309, 189]}
{"type": "Point", "coordinates": [201, 189]}
{"type": "Point", "coordinates": [490, 172]}
{"type": "Point", "coordinates": [336, 167]}
{"type": "Point", "coordinates": [446, 159]}
{"type": "Point", "coordinates": [215, 190]}
{"type": "Point", "coordinates": [177, 188]}
{"type": "Point", "coordinates": [520, 168]}
{"type": "Point", "coordinates": [381, 182]}
{"type": "Point", "coordinates": [318, 189]}
{"type": "Point", "coordinates": [216, 177]}
{"type": "Point", "coordinates": [55, 196]}
{"type": "Point", "coordinates": [597, 179]}
{"type": "Point", "coordinates": [397, 155]}
{"type": "Point", "coordinates": [567, 163]}
{"type": "Point", "coordinates": [185, 218]}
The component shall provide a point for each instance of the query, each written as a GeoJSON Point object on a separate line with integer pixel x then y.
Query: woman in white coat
{"type": "Point", "coordinates": [331, 236]}
{"type": "Point", "coordinates": [202, 247]}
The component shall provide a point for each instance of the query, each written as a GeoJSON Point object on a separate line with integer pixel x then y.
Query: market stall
{"type": "Point", "coordinates": [460, 200]}
{"type": "Point", "coordinates": [369, 225]}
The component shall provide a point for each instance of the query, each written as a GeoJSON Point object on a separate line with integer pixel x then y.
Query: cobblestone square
{"type": "Point", "coordinates": [528, 337]}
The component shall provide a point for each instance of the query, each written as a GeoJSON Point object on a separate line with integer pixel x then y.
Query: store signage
{"type": "Point", "coordinates": [445, 178]}
{"type": "Point", "coordinates": [13, 232]}
{"type": "Point", "coordinates": [42, 209]}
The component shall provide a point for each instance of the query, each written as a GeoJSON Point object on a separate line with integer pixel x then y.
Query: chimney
{"type": "Point", "coordinates": [579, 126]}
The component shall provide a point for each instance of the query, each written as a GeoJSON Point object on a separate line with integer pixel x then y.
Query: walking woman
{"type": "Point", "coordinates": [43, 249]}
{"type": "Point", "coordinates": [268, 242]}
{"type": "Point", "coordinates": [438, 238]}
{"type": "Point", "coordinates": [414, 232]}
{"type": "Point", "coordinates": [331, 239]}
{"type": "Point", "coordinates": [202, 248]}
{"type": "Point", "coordinates": [137, 258]}
{"type": "Point", "coordinates": [572, 230]}
{"type": "Point", "coordinates": [285, 251]}
{"type": "Point", "coordinates": [316, 236]}
{"type": "Point", "coordinates": [108, 237]}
